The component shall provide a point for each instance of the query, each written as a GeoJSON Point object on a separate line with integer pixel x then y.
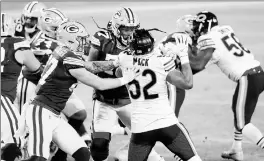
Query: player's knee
{"type": "Point", "coordinates": [195, 158]}
{"type": "Point", "coordinates": [82, 154]}
{"type": "Point", "coordinates": [100, 146]}
{"type": "Point", "coordinates": [80, 115]}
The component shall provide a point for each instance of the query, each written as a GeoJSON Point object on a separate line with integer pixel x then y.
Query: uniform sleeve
{"type": "Point", "coordinates": [168, 64]}
{"type": "Point", "coordinates": [205, 42]}
{"type": "Point", "coordinates": [73, 61]}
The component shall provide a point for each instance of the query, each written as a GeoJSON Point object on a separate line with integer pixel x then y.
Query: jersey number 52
{"type": "Point", "coordinates": [146, 94]}
{"type": "Point", "coordinates": [234, 43]}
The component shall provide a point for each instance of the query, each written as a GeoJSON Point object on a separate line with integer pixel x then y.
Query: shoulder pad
{"type": "Point", "coordinates": [100, 37]}
{"type": "Point", "coordinates": [205, 42]}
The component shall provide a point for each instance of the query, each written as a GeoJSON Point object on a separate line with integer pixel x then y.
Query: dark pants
{"type": "Point", "coordinates": [175, 138]}
{"type": "Point", "coordinates": [245, 98]}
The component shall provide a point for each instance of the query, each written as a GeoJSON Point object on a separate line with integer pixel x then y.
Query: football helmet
{"type": "Point", "coordinates": [143, 42]}
{"type": "Point", "coordinates": [50, 20]}
{"type": "Point", "coordinates": [30, 15]}
{"type": "Point", "coordinates": [124, 24]}
{"type": "Point", "coordinates": [204, 22]}
{"type": "Point", "coordinates": [74, 35]}
{"type": "Point", "coordinates": [8, 25]}
{"type": "Point", "coordinates": [185, 24]}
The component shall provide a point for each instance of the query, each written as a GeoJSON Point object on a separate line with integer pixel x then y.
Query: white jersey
{"type": "Point", "coordinates": [229, 54]}
{"type": "Point", "coordinates": [149, 95]}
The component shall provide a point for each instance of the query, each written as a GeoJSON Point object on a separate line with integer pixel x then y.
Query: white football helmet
{"type": "Point", "coordinates": [74, 35]}
{"type": "Point", "coordinates": [124, 23]}
{"type": "Point", "coordinates": [8, 25]}
{"type": "Point", "coordinates": [30, 15]}
{"type": "Point", "coordinates": [50, 20]}
{"type": "Point", "coordinates": [185, 24]}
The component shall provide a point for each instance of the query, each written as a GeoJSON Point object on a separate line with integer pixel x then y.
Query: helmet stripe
{"type": "Point", "coordinates": [132, 15]}
{"type": "Point", "coordinates": [128, 15]}
{"type": "Point", "coordinates": [63, 17]}
{"type": "Point", "coordinates": [31, 6]}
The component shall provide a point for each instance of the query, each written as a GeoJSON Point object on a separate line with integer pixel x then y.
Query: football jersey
{"type": "Point", "coordinates": [229, 55]}
{"type": "Point", "coordinates": [149, 93]}
{"type": "Point", "coordinates": [10, 68]}
{"type": "Point", "coordinates": [56, 83]}
{"type": "Point", "coordinates": [42, 47]}
{"type": "Point", "coordinates": [106, 43]}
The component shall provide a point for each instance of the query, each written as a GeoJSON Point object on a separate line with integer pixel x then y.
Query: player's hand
{"type": "Point", "coordinates": [129, 74]}
{"type": "Point", "coordinates": [182, 44]}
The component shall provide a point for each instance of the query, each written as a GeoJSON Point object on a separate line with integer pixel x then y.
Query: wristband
{"type": "Point", "coordinates": [184, 59]}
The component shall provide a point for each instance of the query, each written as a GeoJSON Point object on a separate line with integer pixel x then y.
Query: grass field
{"type": "Point", "coordinates": [206, 111]}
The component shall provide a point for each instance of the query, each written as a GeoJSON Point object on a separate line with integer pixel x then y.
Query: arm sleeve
{"type": "Point", "coordinates": [205, 42]}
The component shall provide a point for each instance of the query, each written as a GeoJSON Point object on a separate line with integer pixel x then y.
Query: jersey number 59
{"type": "Point", "coordinates": [146, 94]}
{"type": "Point", "coordinates": [234, 43]}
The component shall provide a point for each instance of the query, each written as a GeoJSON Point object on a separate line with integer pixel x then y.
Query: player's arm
{"type": "Point", "coordinates": [88, 78]}
{"type": "Point", "coordinates": [26, 57]}
{"type": "Point", "coordinates": [181, 79]}
{"type": "Point", "coordinates": [201, 56]}
{"type": "Point", "coordinates": [100, 66]}
{"type": "Point", "coordinates": [74, 64]}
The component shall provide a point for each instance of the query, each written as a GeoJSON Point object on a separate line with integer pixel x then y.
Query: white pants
{"type": "Point", "coordinates": [105, 116]}
{"type": "Point", "coordinates": [44, 126]}
{"type": "Point", "coordinates": [26, 91]}
{"type": "Point", "coordinates": [9, 121]}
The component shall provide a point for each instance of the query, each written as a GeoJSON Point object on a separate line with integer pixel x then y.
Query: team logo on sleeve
{"type": "Point", "coordinates": [72, 29]}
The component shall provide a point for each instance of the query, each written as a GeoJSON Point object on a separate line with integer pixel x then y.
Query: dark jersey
{"type": "Point", "coordinates": [56, 83]}
{"type": "Point", "coordinates": [10, 68]}
{"type": "Point", "coordinates": [42, 47]}
{"type": "Point", "coordinates": [106, 43]}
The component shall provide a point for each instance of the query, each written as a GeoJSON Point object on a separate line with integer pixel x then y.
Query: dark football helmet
{"type": "Point", "coordinates": [203, 23]}
{"type": "Point", "coordinates": [143, 42]}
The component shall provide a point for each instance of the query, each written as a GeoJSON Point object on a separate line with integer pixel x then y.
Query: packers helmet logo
{"type": "Point", "coordinates": [117, 14]}
{"type": "Point", "coordinates": [72, 29]}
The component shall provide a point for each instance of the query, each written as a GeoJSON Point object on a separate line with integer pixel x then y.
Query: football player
{"type": "Point", "coordinates": [183, 28]}
{"type": "Point", "coordinates": [15, 52]}
{"type": "Point", "coordinates": [152, 118]}
{"type": "Point", "coordinates": [60, 76]}
{"type": "Point", "coordinates": [219, 45]}
{"type": "Point", "coordinates": [110, 103]}
{"type": "Point", "coordinates": [27, 27]}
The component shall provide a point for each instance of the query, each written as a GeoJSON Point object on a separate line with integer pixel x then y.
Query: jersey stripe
{"type": "Point", "coordinates": [73, 61]}
{"type": "Point", "coordinates": [54, 10]}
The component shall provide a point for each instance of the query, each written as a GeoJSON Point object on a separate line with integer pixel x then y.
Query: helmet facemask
{"type": "Point", "coordinates": [30, 24]}
{"type": "Point", "coordinates": [83, 41]}
{"type": "Point", "coordinates": [126, 34]}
